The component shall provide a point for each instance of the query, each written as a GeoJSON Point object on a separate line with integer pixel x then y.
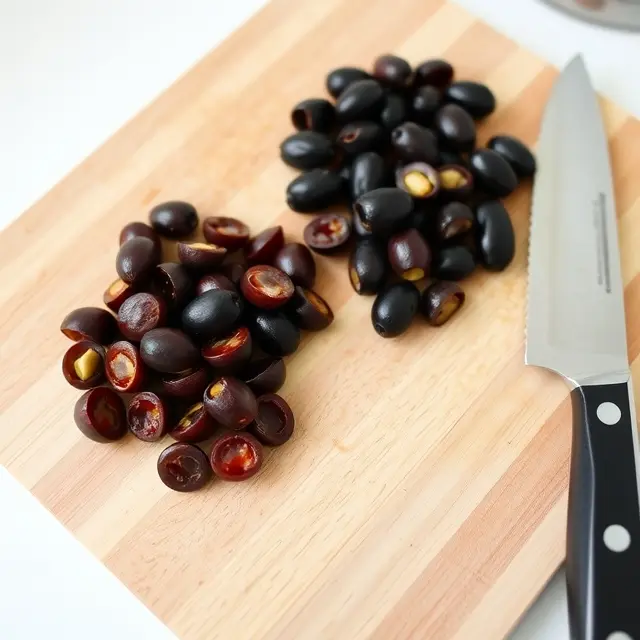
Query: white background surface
{"type": "Point", "coordinates": [71, 73]}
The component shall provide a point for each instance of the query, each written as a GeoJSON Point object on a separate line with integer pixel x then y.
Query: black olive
{"type": "Point", "coordinates": [174, 219]}
{"type": "Point", "coordinates": [496, 239]}
{"type": "Point", "coordinates": [308, 311]}
{"type": "Point", "coordinates": [168, 350]}
{"type": "Point", "coordinates": [361, 136]}
{"type": "Point", "coordinates": [492, 173]}
{"type": "Point", "coordinates": [415, 143]}
{"type": "Point", "coordinates": [456, 182]}
{"type": "Point", "coordinates": [274, 333]}
{"type": "Point", "coordinates": [419, 179]}
{"type": "Point", "coordinates": [475, 98]}
{"type": "Point", "coordinates": [409, 255]}
{"type": "Point", "coordinates": [426, 101]}
{"type": "Point", "coordinates": [362, 100]}
{"type": "Point", "coordinates": [173, 283]}
{"type": "Point", "coordinates": [456, 129]}
{"type": "Point", "coordinates": [212, 315]}
{"type": "Point", "coordinates": [368, 172]}
{"type": "Point", "coordinates": [394, 112]}
{"type": "Point", "coordinates": [339, 79]}
{"type": "Point", "coordinates": [368, 267]}
{"type": "Point", "coordinates": [307, 150]}
{"type": "Point", "coordinates": [383, 210]}
{"type": "Point", "coordinates": [516, 153]}
{"type": "Point", "coordinates": [437, 73]}
{"type": "Point", "coordinates": [136, 259]}
{"type": "Point", "coordinates": [358, 228]}
{"type": "Point", "coordinates": [454, 263]}
{"type": "Point", "coordinates": [314, 114]}
{"type": "Point", "coordinates": [440, 300]}
{"type": "Point", "coordinates": [315, 190]}
{"type": "Point", "coordinates": [453, 220]}
{"type": "Point", "coordinates": [392, 71]}
{"type": "Point", "coordinates": [394, 309]}
{"type": "Point", "coordinates": [452, 157]}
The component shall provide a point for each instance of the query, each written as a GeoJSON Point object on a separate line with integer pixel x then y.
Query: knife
{"type": "Point", "coordinates": [576, 327]}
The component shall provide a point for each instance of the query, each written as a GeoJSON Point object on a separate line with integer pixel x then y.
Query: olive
{"type": "Point", "coordinates": [496, 238]}
{"type": "Point", "coordinates": [136, 259]}
{"type": "Point", "coordinates": [214, 281]}
{"type": "Point", "coordinates": [361, 100]}
{"type": "Point", "coordinates": [516, 153]}
{"type": "Point", "coordinates": [100, 415]}
{"type": "Point", "coordinates": [174, 219]}
{"type": "Point", "coordinates": [186, 384]}
{"type": "Point", "coordinates": [381, 211]}
{"type": "Point", "coordinates": [418, 179]}
{"type": "Point", "coordinates": [195, 425]}
{"type": "Point", "coordinates": [83, 364]}
{"type": "Point", "coordinates": [436, 73]}
{"type": "Point", "coordinates": [307, 150]}
{"type": "Point", "coordinates": [265, 375]}
{"type": "Point", "coordinates": [200, 256]}
{"type": "Point", "coordinates": [440, 300]}
{"type": "Point", "coordinates": [266, 287]}
{"type": "Point", "coordinates": [315, 190]}
{"type": "Point", "coordinates": [212, 315]}
{"type": "Point", "coordinates": [297, 262]}
{"type": "Point", "coordinates": [394, 111]}
{"type": "Point", "coordinates": [184, 467]}
{"type": "Point", "coordinates": [426, 101]}
{"type": "Point", "coordinates": [123, 367]}
{"type": "Point", "coordinates": [392, 71]}
{"type": "Point", "coordinates": [116, 293]}
{"type": "Point", "coordinates": [339, 79]}
{"type": "Point", "coordinates": [456, 182]}
{"type": "Point", "coordinates": [137, 229]}
{"type": "Point", "coordinates": [231, 403]}
{"type": "Point", "coordinates": [89, 323]}
{"type": "Point", "coordinates": [168, 350]}
{"type": "Point", "coordinates": [274, 333]}
{"type": "Point", "coordinates": [451, 157]}
{"type": "Point", "coordinates": [358, 228]}
{"type": "Point", "coordinates": [229, 353]}
{"type": "Point", "coordinates": [173, 283]}
{"type": "Point", "coordinates": [225, 232]}
{"type": "Point", "coordinates": [327, 233]}
{"type": "Point", "coordinates": [141, 313]}
{"type": "Point", "coordinates": [368, 172]}
{"type": "Point", "coordinates": [454, 263]}
{"type": "Point", "coordinates": [414, 143]}
{"type": "Point", "coordinates": [309, 311]}
{"type": "Point", "coordinates": [492, 173]}
{"type": "Point", "coordinates": [263, 248]}
{"type": "Point", "coordinates": [409, 255]}
{"type": "Point", "coordinates": [456, 129]}
{"type": "Point", "coordinates": [394, 309]}
{"type": "Point", "coordinates": [360, 136]}
{"type": "Point", "coordinates": [475, 98]}
{"type": "Point", "coordinates": [274, 423]}
{"type": "Point", "coordinates": [314, 114]}
{"type": "Point", "coordinates": [368, 267]}
{"type": "Point", "coordinates": [235, 270]}
{"type": "Point", "coordinates": [454, 219]}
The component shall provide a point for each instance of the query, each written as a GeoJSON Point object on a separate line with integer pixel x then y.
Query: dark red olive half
{"type": "Point", "coordinates": [328, 232]}
{"type": "Point", "coordinates": [124, 367]}
{"type": "Point", "coordinates": [217, 281]}
{"type": "Point", "coordinates": [236, 456]}
{"type": "Point", "coordinates": [409, 255]}
{"type": "Point", "coordinates": [116, 293]}
{"type": "Point", "coordinates": [231, 352]}
{"type": "Point", "coordinates": [200, 256]}
{"type": "Point", "coordinates": [136, 259]}
{"type": "Point", "coordinates": [419, 180]}
{"type": "Point", "coordinates": [148, 417]}
{"type": "Point", "coordinates": [454, 219]}
{"type": "Point", "coordinates": [186, 384]}
{"type": "Point", "coordinates": [99, 413]}
{"type": "Point", "coordinates": [231, 403]}
{"type": "Point", "coordinates": [225, 232]}
{"type": "Point", "coordinates": [309, 311]}
{"type": "Point", "coordinates": [173, 283]}
{"type": "Point", "coordinates": [440, 301]}
{"type": "Point", "coordinates": [265, 375]}
{"type": "Point", "coordinates": [195, 425]}
{"type": "Point", "coordinates": [89, 323]}
{"type": "Point", "coordinates": [141, 230]}
{"type": "Point", "coordinates": [141, 313]}
{"type": "Point", "coordinates": [169, 351]}
{"type": "Point", "coordinates": [263, 248]}
{"type": "Point", "coordinates": [83, 364]}
{"type": "Point", "coordinates": [266, 287]}
{"type": "Point", "coordinates": [274, 423]}
{"type": "Point", "coordinates": [184, 467]}
{"type": "Point", "coordinates": [298, 263]}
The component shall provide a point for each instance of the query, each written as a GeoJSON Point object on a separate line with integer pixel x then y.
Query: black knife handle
{"type": "Point", "coordinates": [603, 534]}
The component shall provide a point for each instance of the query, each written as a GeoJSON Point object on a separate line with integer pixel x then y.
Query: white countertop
{"type": "Point", "coordinates": [71, 73]}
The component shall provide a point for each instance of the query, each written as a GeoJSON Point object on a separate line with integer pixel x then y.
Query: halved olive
{"type": "Point", "coordinates": [265, 375]}
{"type": "Point", "coordinates": [236, 456]}
{"type": "Point", "coordinates": [274, 423]}
{"type": "Point", "coordinates": [297, 262]}
{"type": "Point", "coordinates": [186, 384]}
{"type": "Point", "coordinates": [148, 417]}
{"type": "Point", "coordinates": [456, 183]}
{"type": "Point", "coordinates": [440, 300]}
{"type": "Point", "coordinates": [381, 211]}
{"type": "Point", "coordinates": [99, 414]}
{"type": "Point", "coordinates": [314, 114]}
{"type": "Point", "coordinates": [225, 232]}
{"type": "Point", "coordinates": [419, 180]}
{"type": "Point", "coordinates": [200, 256]}
{"type": "Point", "coordinates": [368, 267]}
{"type": "Point", "coordinates": [266, 287]}
{"type": "Point", "coordinates": [172, 282]}
{"type": "Point", "coordinates": [229, 353]}
{"type": "Point", "coordinates": [309, 311]}
{"type": "Point", "coordinates": [415, 143]}
{"type": "Point", "coordinates": [116, 293]}
{"type": "Point", "coordinates": [394, 309]}
{"type": "Point", "coordinates": [83, 364]}
{"type": "Point", "coordinates": [409, 255]}
{"type": "Point", "coordinates": [174, 219]}
{"type": "Point", "coordinates": [214, 281]}
{"type": "Point", "coordinates": [89, 323]}
{"type": "Point", "coordinates": [327, 233]}
{"type": "Point", "coordinates": [454, 219]}
{"type": "Point", "coordinates": [262, 249]}
{"type": "Point", "coordinates": [231, 403]}
{"type": "Point", "coordinates": [195, 425]}
{"type": "Point", "coordinates": [184, 467]}
{"type": "Point", "coordinates": [124, 367]}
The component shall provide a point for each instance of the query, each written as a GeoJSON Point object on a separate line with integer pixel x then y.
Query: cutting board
{"type": "Point", "coordinates": [424, 492]}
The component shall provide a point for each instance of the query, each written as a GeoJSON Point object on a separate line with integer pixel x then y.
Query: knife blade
{"type": "Point", "coordinates": [576, 327]}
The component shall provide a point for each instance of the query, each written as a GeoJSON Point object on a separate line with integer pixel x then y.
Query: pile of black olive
{"type": "Point", "coordinates": [398, 149]}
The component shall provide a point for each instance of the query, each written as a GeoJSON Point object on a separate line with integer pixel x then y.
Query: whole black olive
{"type": "Point", "coordinates": [426, 101]}
{"type": "Point", "coordinates": [274, 333]}
{"type": "Point", "coordinates": [414, 143]}
{"type": "Point", "coordinates": [394, 112]}
{"type": "Point", "coordinates": [307, 150]}
{"type": "Point", "coordinates": [516, 153]}
{"type": "Point", "coordinates": [361, 136]}
{"type": "Point", "coordinates": [456, 182]}
{"type": "Point", "coordinates": [454, 263]}
{"type": "Point", "coordinates": [339, 79]}
{"type": "Point", "coordinates": [383, 210]}
{"type": "Point", "coordinates": [456, 129]}
{"type": "Point", "coordinates": [453, 220]}
{"type": "Point", "coordinates": [212, 315]}
{"type": "Point", "coordinates": [174, 219]}
{"type": "Point", "coordinates": [168, 350]}
{"type": "Point", "coordinates": [136, 259]}
{"type": "Point", "coordinates": [315, 190]}
{"type": "Point", "coordinates": [368, 172]}
{"type": "Point", "coordinates": [392, 71]}
{"type": "Point", "coordinates": [475, 98]}
{"type": "Point", "coordinates": [492, 173]}
{"type": "Point", "coordinates": [394, 309]}
{"type": "Point", "coordinates": [436, 73]}
{"type": "Point", "coordinates": [440, 300]}
{"type": "Point", "coordinates": [368, 267]}
{"type": "Point", "coordinates": [409, 255]}
{"type": "Point", "coordinates": [314, 114]}
{"type": "Point", "coordinates": [361, 100]}
{"type": "Point", "coordinates": [496, 238]}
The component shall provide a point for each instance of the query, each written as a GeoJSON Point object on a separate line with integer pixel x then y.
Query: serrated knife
{"type": "Point", "coordinates": [576, 327]}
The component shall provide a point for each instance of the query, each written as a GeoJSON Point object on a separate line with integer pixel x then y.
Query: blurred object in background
{"type": "Point", "coordinates": [620, 14]}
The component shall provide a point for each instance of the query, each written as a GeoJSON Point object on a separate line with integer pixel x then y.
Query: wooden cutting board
{"type": "Point", "coordinates": [424, 492]}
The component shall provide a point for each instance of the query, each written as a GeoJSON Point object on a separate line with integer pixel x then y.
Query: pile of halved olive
{"type": "Point", "coordinates": [199, 343]}
{"type": "Point", "coordinates": [398, 148]}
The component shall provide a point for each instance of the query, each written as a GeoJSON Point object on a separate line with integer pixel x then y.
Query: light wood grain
{"type": "Point", "coordinates": [424, 492]}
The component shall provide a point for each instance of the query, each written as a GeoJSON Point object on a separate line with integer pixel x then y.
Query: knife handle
{"type": "Point", "coordinates": [603, 533]}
